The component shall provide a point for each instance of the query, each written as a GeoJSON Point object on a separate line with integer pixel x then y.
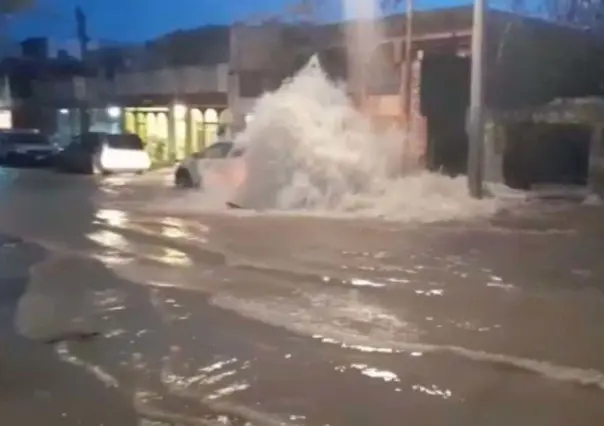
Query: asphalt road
{"type": "Point", "coordinates": [216, 318]}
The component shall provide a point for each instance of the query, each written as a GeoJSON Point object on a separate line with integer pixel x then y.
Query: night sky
{"type": "Point", "coordinates": [139, 20]}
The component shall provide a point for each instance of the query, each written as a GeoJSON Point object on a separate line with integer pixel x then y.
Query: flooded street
{"type": "Point", "coordinates": [239, 318]}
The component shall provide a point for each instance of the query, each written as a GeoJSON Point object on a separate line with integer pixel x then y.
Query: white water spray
{"type": "Point", "coordinates": [363, 34]}
{"type": "Point", "coordinates": [309, 149]}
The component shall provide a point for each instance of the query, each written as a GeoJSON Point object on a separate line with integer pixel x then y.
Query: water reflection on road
{"type": "Point", "coordinates": [286, 320]}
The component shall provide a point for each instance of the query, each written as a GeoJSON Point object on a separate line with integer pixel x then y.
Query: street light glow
{"type": "Point", "coordinates": [114, 112]}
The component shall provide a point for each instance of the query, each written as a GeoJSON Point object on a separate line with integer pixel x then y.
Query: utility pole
{"type": "Point", "coordinates": [83, 39]}
{"type": "Point", "coordinates": [475, 121]}
{"type": "Point", "coordinates": [408, 77]}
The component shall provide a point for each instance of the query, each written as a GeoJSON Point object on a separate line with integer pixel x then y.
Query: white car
{"type": "Point", "coordinates": [104, 153]}
{"type": "Point", "coordinates": [219, 165]}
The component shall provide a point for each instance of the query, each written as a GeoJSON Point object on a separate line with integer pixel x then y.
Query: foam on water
{"type": "Point", "coordinates": [310, 150]}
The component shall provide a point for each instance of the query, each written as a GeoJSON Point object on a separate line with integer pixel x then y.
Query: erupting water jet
{"type": "Point", "coordinates": [309, 149]}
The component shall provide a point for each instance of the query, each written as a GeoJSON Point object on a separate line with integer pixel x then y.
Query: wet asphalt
{"type": "Point", "coordinates": [214, 318]}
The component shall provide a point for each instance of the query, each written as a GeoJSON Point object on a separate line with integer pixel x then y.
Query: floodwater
{"type": "Point", "coordinates": [270, 319]}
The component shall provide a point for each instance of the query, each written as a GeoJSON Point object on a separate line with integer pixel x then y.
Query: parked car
{"type": "Point", "coordinates": [104, 153]}
{"type": "Point", "coordinates": [219, 165]}
{"type": "Point", "coordinates": [25, 148]}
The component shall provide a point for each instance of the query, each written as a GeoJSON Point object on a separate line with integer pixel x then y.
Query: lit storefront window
{"type": "Point", "coordinates": [161, 137]}
{"type": "Point", "coordinates": [211, 126]}
{"type": "Point", "coordinates": [6, 119]}
{"type": "Point", "coordinates": [141, 126]}
{"type": "Point", "coordinates": [180, 121]}
{"type": "Point", "coordinates": [197, 130]}
{"type": "Point", "coordinates": [226, 124]}
{"type": "Point", "coordinates": [130, 122]}
{"type": "Point", "coordinates": [106, 119]}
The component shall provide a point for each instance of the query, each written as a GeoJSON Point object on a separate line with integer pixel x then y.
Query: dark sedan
{"type": "Point", "coordinates": [25, 148]}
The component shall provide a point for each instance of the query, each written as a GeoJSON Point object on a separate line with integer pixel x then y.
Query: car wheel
{"type": "Point", "coordinates": [93, 168]}
{"type": "Point", "coordinates": [183, 179]}
{"type": "Point", "coordinates": [98, 170]}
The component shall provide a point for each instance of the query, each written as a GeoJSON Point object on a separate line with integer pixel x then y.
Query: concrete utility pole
{"type": "Point", "coordinates": [408, 71]}
{"type": "Point", "coordinates": [475, 122]}
{"type": "Point", "coordinates": [83, 39]}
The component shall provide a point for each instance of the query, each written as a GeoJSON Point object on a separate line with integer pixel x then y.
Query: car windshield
{"type": "Point", "coordinates": [26, 139]}
{"type": "Point", "coordinates": [88, 142]}
{"type": "Point", "coordinates": [216, 151]}
{"type": "Point", "coordinates": [125, 141]}
{"type": "Point", "coordinates": [237, 151]}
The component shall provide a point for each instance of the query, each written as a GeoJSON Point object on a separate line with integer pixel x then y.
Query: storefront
{"type": "Point", "coordinates": [170, 130]}
{"type": "Point", "coordinates": [175, 131]}
{"type": "Point", "coordinates": [151, 124]}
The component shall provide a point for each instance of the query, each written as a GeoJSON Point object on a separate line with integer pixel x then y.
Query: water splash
{"type": "Point", "coordinates": [309, 149]}
{"type": "Point", "coordinates": [363, 33]}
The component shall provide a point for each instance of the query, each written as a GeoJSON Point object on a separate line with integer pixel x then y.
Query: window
{"type": "Point", "coordinates": [225, 148]}
{"type": "Point", "coordinates": [89, 141]}
{"type": "Point", "coordinates": [124, 141]}
{"type": "Point", "coordinates": [212, 152]}
{"type": "Point", "coordinates": [218, 150]}
{"type": "Point", "coordinates": [237, 152]}
{"type": "Point", "coordinates": [27, 139]}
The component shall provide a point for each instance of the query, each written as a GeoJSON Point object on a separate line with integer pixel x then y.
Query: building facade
{"type": "Point", "coordinates": [529, 62]}
{"type": "Point", "coordinates": [186, 90]}
{"type": "Point", "coordinates": [174, 106]}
